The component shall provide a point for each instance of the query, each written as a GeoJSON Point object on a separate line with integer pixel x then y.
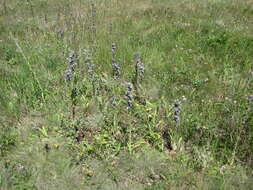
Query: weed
{"type": "Point", "coordinates": [113, 115]}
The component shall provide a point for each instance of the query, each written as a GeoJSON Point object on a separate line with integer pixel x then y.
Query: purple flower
{"type": "Point", "coordinates": [250, 98]}
{"type": "Point", "coordinates": [68, 74]}
{"type": "Point", "coordinates": [176, 118]}
{"type": "Point", "coordinates": [177, 103]}
{"type": "Point", "coordinates": [113, 50]}
{"type": "Point", "coordinates": [139, 66]}
{"type": "Point", "coordinates": [90, 70]}
{"type": "Point", "coordinates": [177, 111]}
{"type": "Point", "coordinates": [72, 62]}
{"type": "Point", "coordinates": [115, 66]}
{"type": "Point", "coordinates": [72, 57]}
{"type": "Point", "coordinates": [114, 102]}
{"type": "Point", "coordinates": [129, 96]}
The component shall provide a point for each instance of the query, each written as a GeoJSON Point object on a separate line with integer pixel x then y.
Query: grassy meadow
{"type": "Point", "coordinates": [126, 94]}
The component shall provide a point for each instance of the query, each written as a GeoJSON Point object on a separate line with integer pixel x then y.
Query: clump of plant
{"type": "Point", "coordinates": [129, 95]}
{"type": "Point", "coordinates": [177, 110]}
{"type": "Point", "coordinates": [70, 68]}
{"type": "Point", "coordinates": [69, 74]}
{"type": "Point", "coordinates": [8, 136]}
{"type": "Point", "coordinates": [115, 66]}
{"type": "Point", "coordinates": [139, 67]}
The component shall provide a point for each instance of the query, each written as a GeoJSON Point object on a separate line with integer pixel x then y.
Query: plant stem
{"type": "Point", "coordinates": [31, 7]}
{"type": "Point", "coordinates": [29, 67]}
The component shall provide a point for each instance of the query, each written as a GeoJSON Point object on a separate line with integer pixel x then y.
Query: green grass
{"type": "Point", "coordinates": [57, 134]}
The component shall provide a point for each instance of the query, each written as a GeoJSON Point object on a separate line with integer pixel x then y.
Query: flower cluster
{"type": "Point", "coordinates": [72, 58]}
{"type": "Point", "coordinates": [129, 95]}
{"type": "Point", "coordinates": [115, 66]}
{"type": "Point", "coordinates": [114, 101]}
{"type": "Point", "coordinates": [72, 62]}
{"type": "Point", "coordinates": [90, 69]}
{"type": "Point", "coordinates": [250, 98]}
{"type": "Point", "coordinates": [93, 20]}
{"type": "Point", "coordinates": [139, 66]}
{"type": "Point", "coordinates": [177, 108]}
{"type": "Point", "coordinates": [88, 62]}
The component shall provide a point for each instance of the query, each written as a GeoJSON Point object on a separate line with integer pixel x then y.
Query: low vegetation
{"type": "Point", "coordinates": [133, 94]}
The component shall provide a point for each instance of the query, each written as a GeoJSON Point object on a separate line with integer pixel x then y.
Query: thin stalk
{"type": "Point", "coordinates": [93, 88]}
{"type": "Point", "coordinates": [136, 74]}
{"type": "Point", "coordinates": [93, 22]}
{"type": "Point", "coordinates": [236, 146]}
{"type": "Point", "coordinates": [5, 7]}
{"type": "Point", "coordinates": [31, 7]}
{"type": "Point", "coordinates": [29, 67]}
